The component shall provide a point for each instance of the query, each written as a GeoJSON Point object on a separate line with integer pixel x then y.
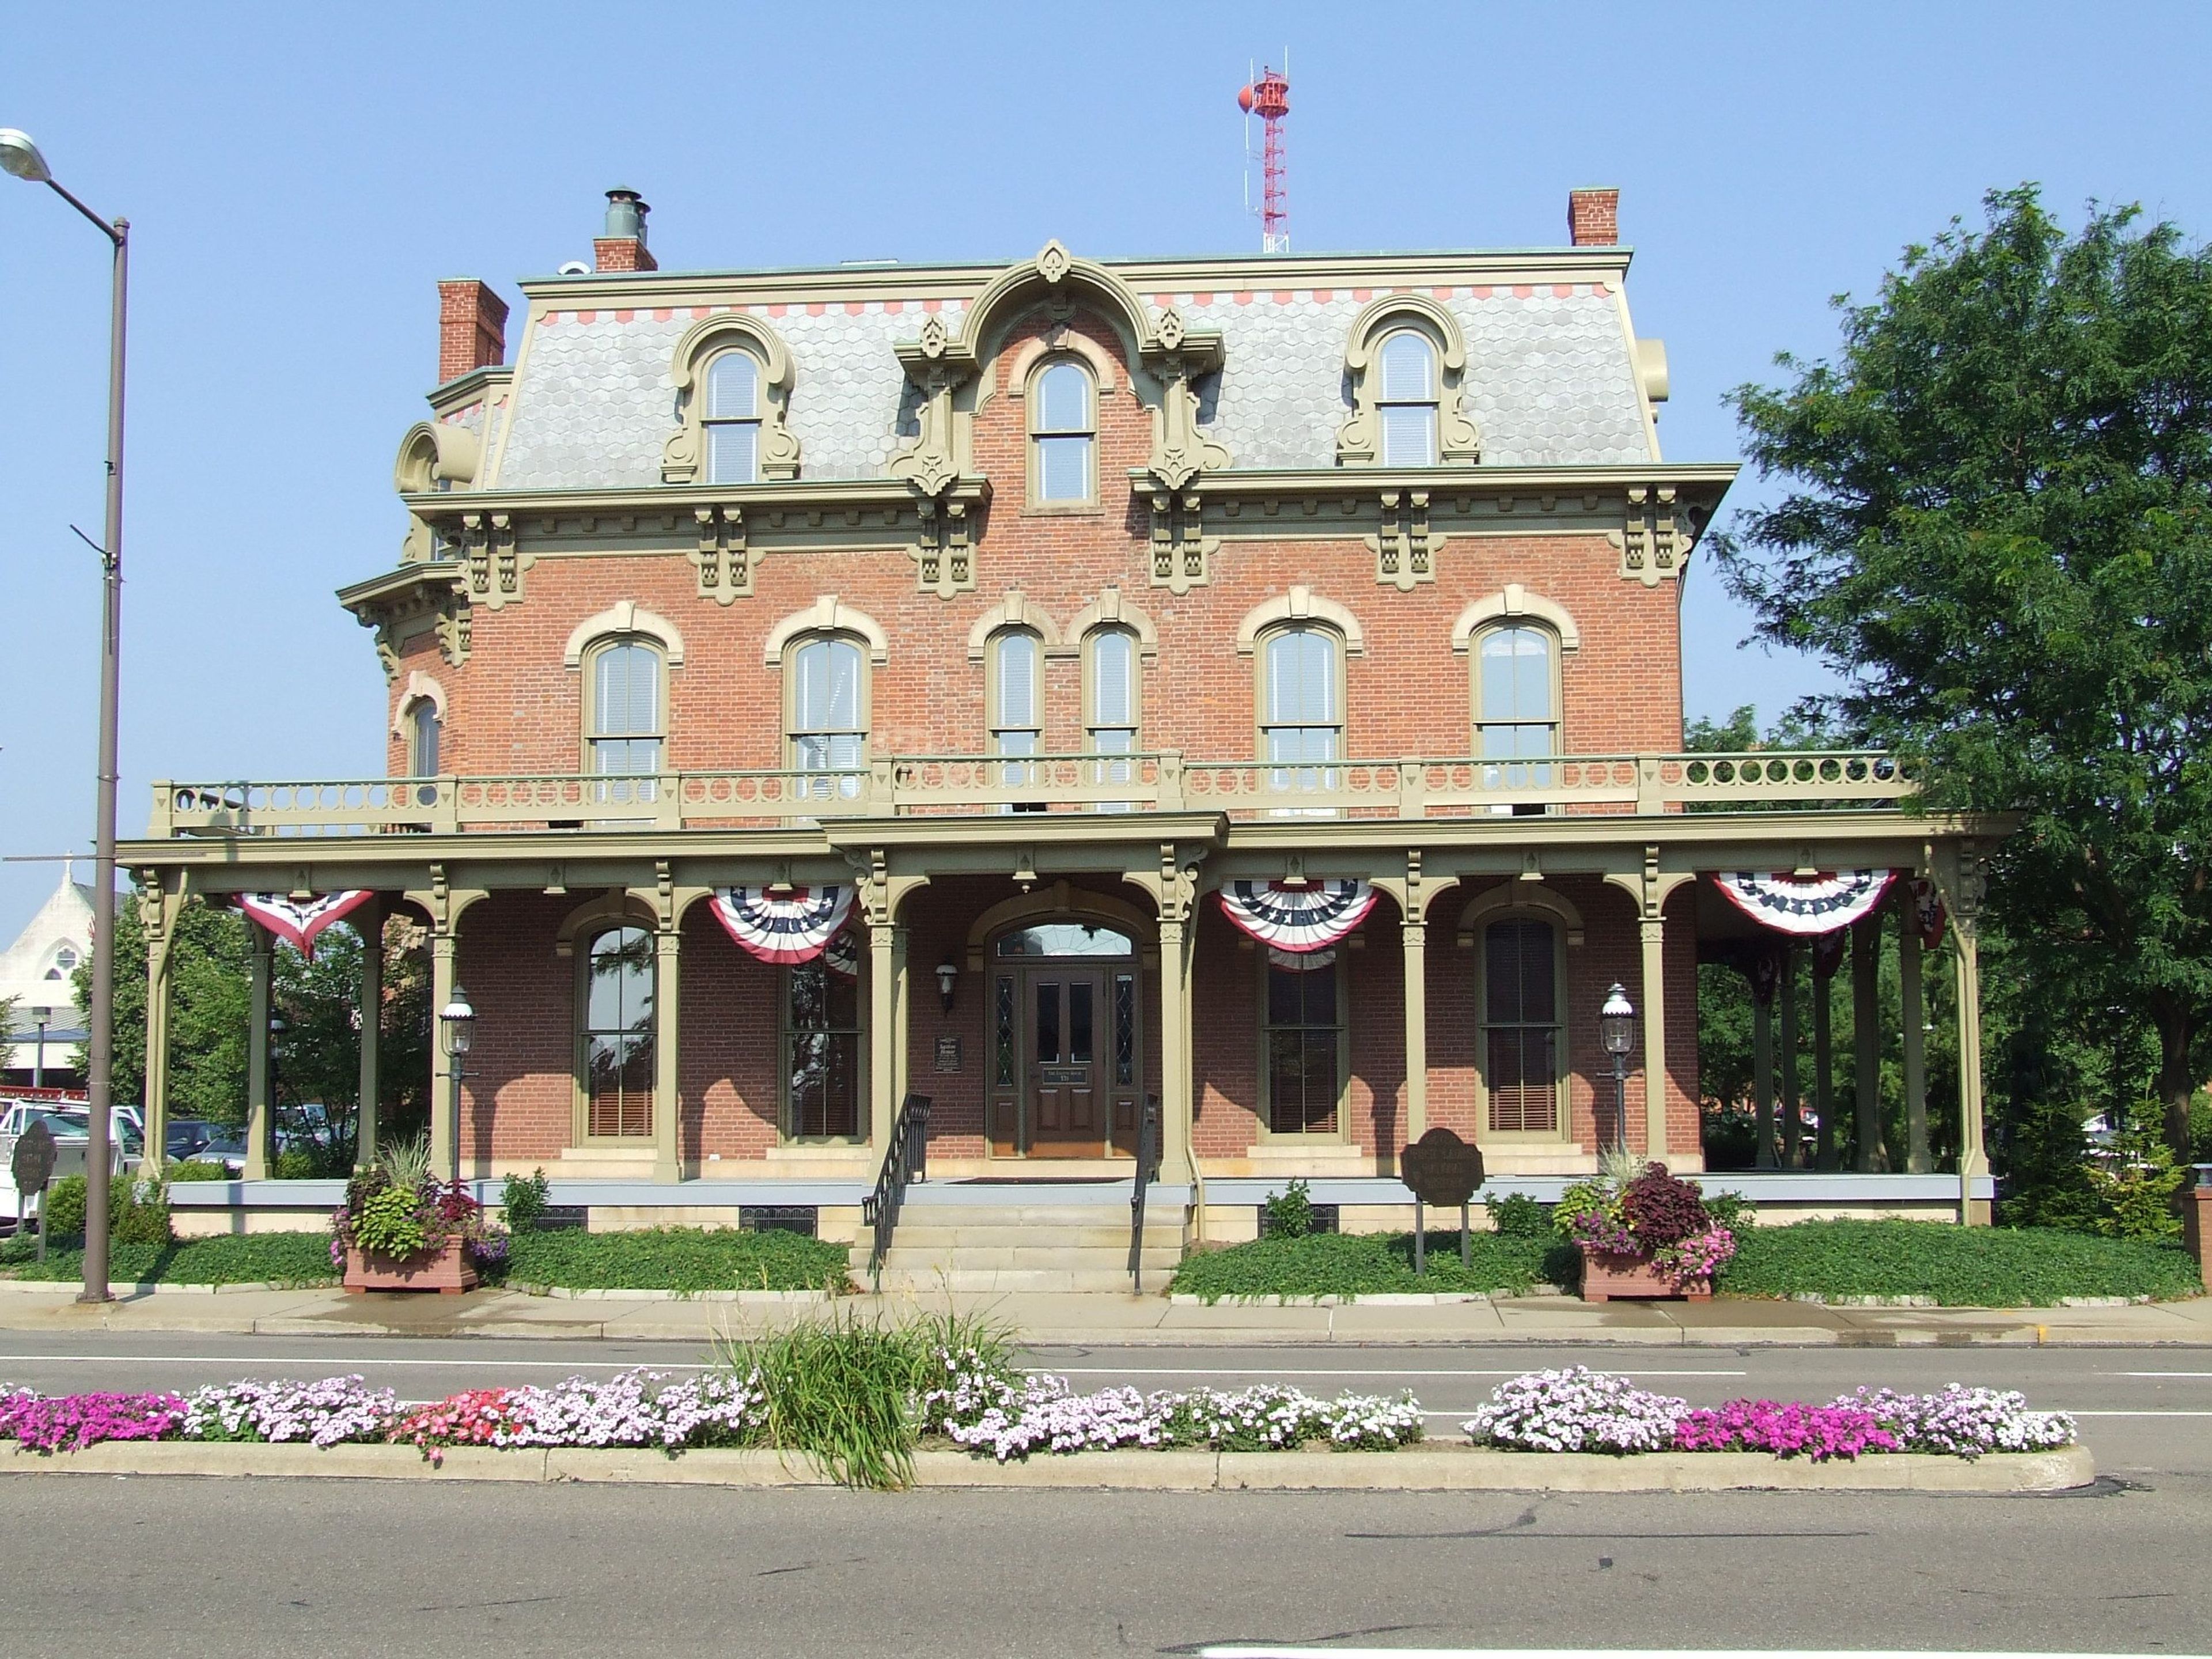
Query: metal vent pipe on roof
{"type": "Point", "coordinates": [626, 212]}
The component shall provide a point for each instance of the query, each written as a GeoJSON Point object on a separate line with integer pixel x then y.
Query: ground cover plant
{"type": "Point", "coordinates": [1373, 1264]}
{"type": "Point", "coordinates": [286, 1259]}
{"type": "Point", "coordinates": [680, 1259]}
{"type": "Point", "coordinates": [1959, 1266]}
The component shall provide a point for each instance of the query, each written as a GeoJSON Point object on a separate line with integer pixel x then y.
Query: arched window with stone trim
{"type": "Point", "coordinates": [1301, 705]}
{"type": "Point", "coordinates": [1405, 400]}
{"type": "Point", "coordinates": [425, 738]}
{"type": "Point", "coordinates": [732, 418]}
{"type": "Point", "coordinates": [1062, 405]}
{"type": "Point", "coordinates": [1112, 701]}
{"type": "Point", "coordinates": [826, 712]}
{"type": "Point", "coordinates": [1013, 694]}
{"type": "Point", "coordinates": [1516, 704]}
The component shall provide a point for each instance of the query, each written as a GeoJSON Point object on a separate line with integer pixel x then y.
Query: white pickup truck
{"type": "Point", "coordinates": [72, 1131]}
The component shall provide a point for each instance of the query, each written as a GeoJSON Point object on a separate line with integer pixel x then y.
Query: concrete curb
{"type": "Point", "coordinates": [558, 1293]}
{"type": "Point", "coordinates": [69, 1287]}
{"type": "Point", "coordinates": [1441, 1467]}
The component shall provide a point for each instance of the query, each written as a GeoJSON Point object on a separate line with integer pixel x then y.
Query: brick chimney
{"type": "Point", "coordinates": [622, 246]}
{"type": "Point", "coordinates": [471, 328]}
{"type": "Point", "coordinates": [1594, 217]}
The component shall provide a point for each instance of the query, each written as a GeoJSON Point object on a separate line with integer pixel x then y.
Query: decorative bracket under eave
{"type": "Point", "coordinates": [1183, 553]}
{"type": "Point", "coordinates": [722, 558]}
{"type": "Point", "coordinates": [1404, 548]}
{"type": "Point", "coordinates": [1655, 539]}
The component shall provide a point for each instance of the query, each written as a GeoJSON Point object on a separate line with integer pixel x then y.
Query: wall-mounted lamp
{"type": "Point", "coordinates": [948, 974]}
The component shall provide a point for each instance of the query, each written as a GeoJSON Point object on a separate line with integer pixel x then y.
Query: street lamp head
{"type": "Point", "coordinates": [457, 1021]}
{"type": "Point", "coordinates": [1616, 1021]}
{"type": "Point", "coordinates": [19, 156]}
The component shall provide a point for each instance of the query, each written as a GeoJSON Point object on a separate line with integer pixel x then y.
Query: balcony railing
{"type": "Point", "coordinates": [916, 786]}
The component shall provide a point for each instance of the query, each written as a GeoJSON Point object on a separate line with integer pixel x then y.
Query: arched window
{"type": "Point", "coordinates": [1301, 705]}
{"type": "Point", "coordinates": [1407, 399]}
{"type": "Point", "coordinates": [732, 418]}
{"type": "Point", "coordinates": [1015, 695]}
{"type": "Point", "coordinates": [822, 1052]}
{"type": "Point", "coordinates": [424, 730]}
{"type": "Point", "coordinates": [1304, 1031]}
{"type": "Point", "coordinates": [1516, 704]}
{"type": "Point", "coordinates": [1522, 1040]}
{"type": "Point", "coordinates": [826, 712]}
{"type": "Point", "coordinates": [617, 1035]}
{"type": "Point", "coordinates": [627, 724]}
{"type": "Point", "coordinates": [1063, 430]}
{"type": "Point", "coordinates": [1110, 699]}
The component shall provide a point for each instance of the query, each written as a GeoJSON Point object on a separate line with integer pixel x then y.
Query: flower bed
{"type": "Point", "coordinates": [1626, 1221]}
{"type": "Point", "coordinates": [975, 1401]}
{"type": "Point", "coordinates": [1581, 1410]}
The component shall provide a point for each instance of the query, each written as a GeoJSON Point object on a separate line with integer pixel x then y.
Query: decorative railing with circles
{"type": "Point", "coordinates": [970, 784]}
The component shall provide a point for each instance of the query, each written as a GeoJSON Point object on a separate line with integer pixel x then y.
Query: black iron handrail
{"type": "Point", "coordinates": [1148, 1171]}
{"type": "Point", "coordinates": [906, 1160]}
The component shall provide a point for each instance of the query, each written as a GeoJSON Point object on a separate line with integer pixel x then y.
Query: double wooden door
{"type": "Point", "coordinates": [1065, 1059]}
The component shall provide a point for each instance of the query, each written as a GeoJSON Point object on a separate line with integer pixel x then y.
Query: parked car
{"type": "Point", "coordinates": [186, 1135]}
{"type": "Point", "coordinates": [225, 1146]}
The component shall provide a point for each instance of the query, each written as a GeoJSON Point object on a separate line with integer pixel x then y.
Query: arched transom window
{"type": "Point", "coordinates": [732, 418]}
{"type": "Point", "coordinates": [1063, 417]}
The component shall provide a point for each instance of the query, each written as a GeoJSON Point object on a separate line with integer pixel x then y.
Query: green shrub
{"type": "Point", "coordinates": [1516, 1215]}
{"type": "Point", "coordinates": [389, 1223]}
{"type": "Point", "coordinates": [681, 1259]}
{"type": "Point", "coordinates": [138, 1214]}
{"type": "Point", "coordinates": [523, 1200]}
{"type": "Point", "coordinates": [297, 1164]}
{"type": "Point", "coordinates": [1289, 1213]}
{"type": "Point", "coordinates": [1959, 1266]}
{"type": "Point", "coordinates": [196, 1168]}
{"type": "Point", "coordinates": [1730, 1209]}
{"type": "Point", "coordinates": [2137, 1188]}
{"type": "Point", "coordinates": [61, 1211]}
{"type": "Point", "coordinates": [1370, 1264]}
{"type": "Point", "coordinates": [287, 1259]}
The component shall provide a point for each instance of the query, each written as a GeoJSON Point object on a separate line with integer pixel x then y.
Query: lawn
{"type": "Point", "coordinates": [287, 1259]}
{"type": "Point", "coordinates": [681, 1259]}
{"type": "Point", "coordinates": [1957, 1266]}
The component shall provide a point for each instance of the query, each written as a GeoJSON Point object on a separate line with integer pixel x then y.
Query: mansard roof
{"type": "Point", "coordinates": [1551, 376]}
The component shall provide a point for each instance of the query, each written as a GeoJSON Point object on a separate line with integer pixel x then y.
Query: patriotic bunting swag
{"type": "Point", "coordinates": [794, 926]}
{"type": "Point", "coordinates": [299, 920]}
{"type": "Point", "coordinates": [1814, 904]}
{"type": "Point", "coordinates": [1299, 919]}
{"type": "Point", "coordinates": [842, 956]}
{"type": "Point", "coordinates": [1928, 914]}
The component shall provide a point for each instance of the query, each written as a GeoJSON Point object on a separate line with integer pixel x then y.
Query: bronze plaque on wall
{"type": "Point", "coordinates": [948, 1053]}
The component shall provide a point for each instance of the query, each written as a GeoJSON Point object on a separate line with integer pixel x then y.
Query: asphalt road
{"type": "Point", "coordinates": [2144, 1412]}
{"type": "Point", "coordinates": [103, 1565]}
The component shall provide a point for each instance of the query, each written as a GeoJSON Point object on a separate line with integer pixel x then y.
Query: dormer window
{"type": "Point", "coordinates": [1407, 404]}
{"type": "Point", "coordinates": [732, 419]}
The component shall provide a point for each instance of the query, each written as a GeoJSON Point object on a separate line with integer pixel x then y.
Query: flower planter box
{"type": "Point", "coordinates": [1607, 1277]}
{"type": "Point", "coordinates": [448, 1271]}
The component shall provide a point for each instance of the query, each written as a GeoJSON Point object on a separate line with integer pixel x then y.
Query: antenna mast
{"type": "Point", "coordinates": [1269, 98]}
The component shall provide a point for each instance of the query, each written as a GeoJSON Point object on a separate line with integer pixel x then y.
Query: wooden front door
{"type": "Point", "coordinates": [1067, 1084]}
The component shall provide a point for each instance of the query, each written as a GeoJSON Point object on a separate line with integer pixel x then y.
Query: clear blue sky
{"type": "Point", "coordinates": [299, 176]}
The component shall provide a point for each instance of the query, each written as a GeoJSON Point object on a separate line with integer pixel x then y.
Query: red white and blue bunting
{"type": "Point", "coordinates": [1928, 912]}
{"type": "Point", "coordinates": [1297, 917]}
{"type": "Point", "coordinates": [298, 920]}
{"type": "Point", "coordinates": [1805, 905]}
{"type": "Point", "coordinates": [792, 925]}
{"type": "Point", "coordinates": [842, 956]}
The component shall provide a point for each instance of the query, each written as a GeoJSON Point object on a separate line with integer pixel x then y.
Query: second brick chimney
{"type": "Point", "coordinates": [1594, 217]}
{"type": "Point", "coordinates": [622, 247]}
{"type": "Point", "coordinates": [471, 328]}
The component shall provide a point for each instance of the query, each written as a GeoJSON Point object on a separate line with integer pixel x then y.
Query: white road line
{"type": "Point", "coordinates": [2075, 1413]}
{"type": "Point", "coordinates": [1249, 1650]}
{"type": "Point", "coordinates": [2155, 1373]}
{"type": "Point", "coordinates": [1273, 1371]}
{"type": "Point", "coordinates": [366, 1363]}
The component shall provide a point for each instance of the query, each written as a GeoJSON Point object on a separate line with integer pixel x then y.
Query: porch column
{"type": "Point", "coordinates": [902, 1015]}
{"type": "Point", "coordinates": [369, 919]}
{"type": "Point", "coordinates": [883, 1034]}
{"type": "Point", "coordinates": [1966, 897]}
{"type": "Point", "coordinates": [257, 1057]}
{"type": "Point", "coordinates": [1415, 937]}
{"type": "Point", "coordinates": [1762, 1074]}
{"type": "Point", "coordinates": [1866, 1045]}
{"type": "Point", "coordinates": [1653, 929]}
{"type": "Point", "coordinates": [1910, 1009]}
{"type": "Point", "coordinates": [1792, 1106]}
{"type": "Point", "coordinates": [667, 1103]}
{"type": "Point", "coordinates": [1176, 1154]}
{"type": "Point", "coordinates": [1824, 982]}
{"type": "Point", "coordinates": [445, 1143]}
{"type": "Point", "coordinates": [157, 917]}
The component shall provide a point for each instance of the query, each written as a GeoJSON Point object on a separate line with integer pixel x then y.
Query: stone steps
{"type": "Point", "coordinates": [965, 1241]}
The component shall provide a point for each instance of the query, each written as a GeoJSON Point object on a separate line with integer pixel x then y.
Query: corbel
{"type": "Point", "coordinates": [1405, 547]}
{"type": "Point", "coordinates": [1182, 552]}
{"type": "Point", "coordinates": [722, 557]}
{"type": "Point", "coordinates": [1652, 540]}
{"type": "Point", "coordinates": [943, 552]}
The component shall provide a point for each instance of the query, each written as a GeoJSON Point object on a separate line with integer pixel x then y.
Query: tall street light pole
{"type": "Point", "coordinates": [21, 157]}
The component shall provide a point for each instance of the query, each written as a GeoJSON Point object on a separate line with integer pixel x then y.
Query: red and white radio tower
{"type": "Point", "coordinates": [1269, 98]}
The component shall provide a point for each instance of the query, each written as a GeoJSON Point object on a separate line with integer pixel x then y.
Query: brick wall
{"type": "Point", "coordinates": [471, 328]}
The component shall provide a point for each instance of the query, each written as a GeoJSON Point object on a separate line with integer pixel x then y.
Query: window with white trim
{"type": "Point", "coordinates": [1301, 702]}
{"type": "Point", "coordinates": [827, 710]}
{"type": "Point", "coordinates": [1015, 693]}
{"type": "Point", "coordinates": [1406, 403]}
{"type": "Point", "coordinates": [626, 729]}
{"type": "Point", "coordinates": [1110, 721]}
{"type": "Point", "coordinates": [732, 418]}
{"type": "Point", "coordinates": [1063, 406]}
{"type": "Point", "coordinates": [1516, 705]}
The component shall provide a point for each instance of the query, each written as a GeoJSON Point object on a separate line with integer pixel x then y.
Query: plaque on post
{"type": "Point", "coordinates": [1441, 1169]}
{"type": "Point", "coordinates": [32, 1165]}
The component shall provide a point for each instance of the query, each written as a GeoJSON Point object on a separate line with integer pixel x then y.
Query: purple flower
{"type": "Point", "coordinates": [72, 1422]}
{"type": "Point", "coordinates": [1790, 1430]}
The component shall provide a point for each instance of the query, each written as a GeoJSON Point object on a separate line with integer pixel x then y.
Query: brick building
{"type": "Point", "coordinates": [1250, 685]}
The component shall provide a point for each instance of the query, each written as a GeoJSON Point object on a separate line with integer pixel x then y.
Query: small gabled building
{"type": "Point", "coordinates": [1240, 694]}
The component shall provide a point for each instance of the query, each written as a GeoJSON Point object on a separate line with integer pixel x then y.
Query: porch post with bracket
{"type": "Point", "coordinates": [369, 919]}
{"type": "Point", "coordinates": [667, 1102]}
{"type": "Point", "coordinates": [1965, 893]}
{"type": "Point", "coordinates": [883, 1034]}
{"type": "Point", "coordinates": [256, 1056]}
{"type": "Point", "coordinates": [902, 1014]}
{"type": "Point", "coordinates": [1175, 1046]}
{"type": "Point", "coordinates": [445, 954]}
{"type": "Point", "coordinates": [1793, 1105]}
{"type": "Point", "coordinates": [1414, 935]}
{"type": "Point", "coordinates": [1912, 1013]}
{"type": "Point", "coordinates": [158, 917]}
{"type": "Point", "coordinates": [1870, 1155]}
{"type": "Point", "coordinates": [1824, 1087]}
{"type": "Point", "coordinates": [1762, 1075]}
{"type": "Point", "coordinates": [1649, 888]}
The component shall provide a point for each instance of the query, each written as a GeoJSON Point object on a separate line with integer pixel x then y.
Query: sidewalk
{"type": "Point", "coordinates": [1116, 1320]}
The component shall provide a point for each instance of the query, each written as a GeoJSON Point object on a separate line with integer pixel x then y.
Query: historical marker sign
{"type": "Point", "coordinates": [948, 1053]}
{"type": "Point", "coordinates": [1441, 1168]}
{"type": "Point", "coordinates": [32, 1164]}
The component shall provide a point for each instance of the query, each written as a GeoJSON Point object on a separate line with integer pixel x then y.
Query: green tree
{"type": "Point", "coordinates": [1997, 533]}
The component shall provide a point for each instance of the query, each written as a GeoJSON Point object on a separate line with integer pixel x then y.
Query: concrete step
{"type": "Point", "coordinates": [933, 1234]}
{"type": "Point", "coordinates": [1024, 1255]}
{"type": "Point", "coordinates": [923, 1282]}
